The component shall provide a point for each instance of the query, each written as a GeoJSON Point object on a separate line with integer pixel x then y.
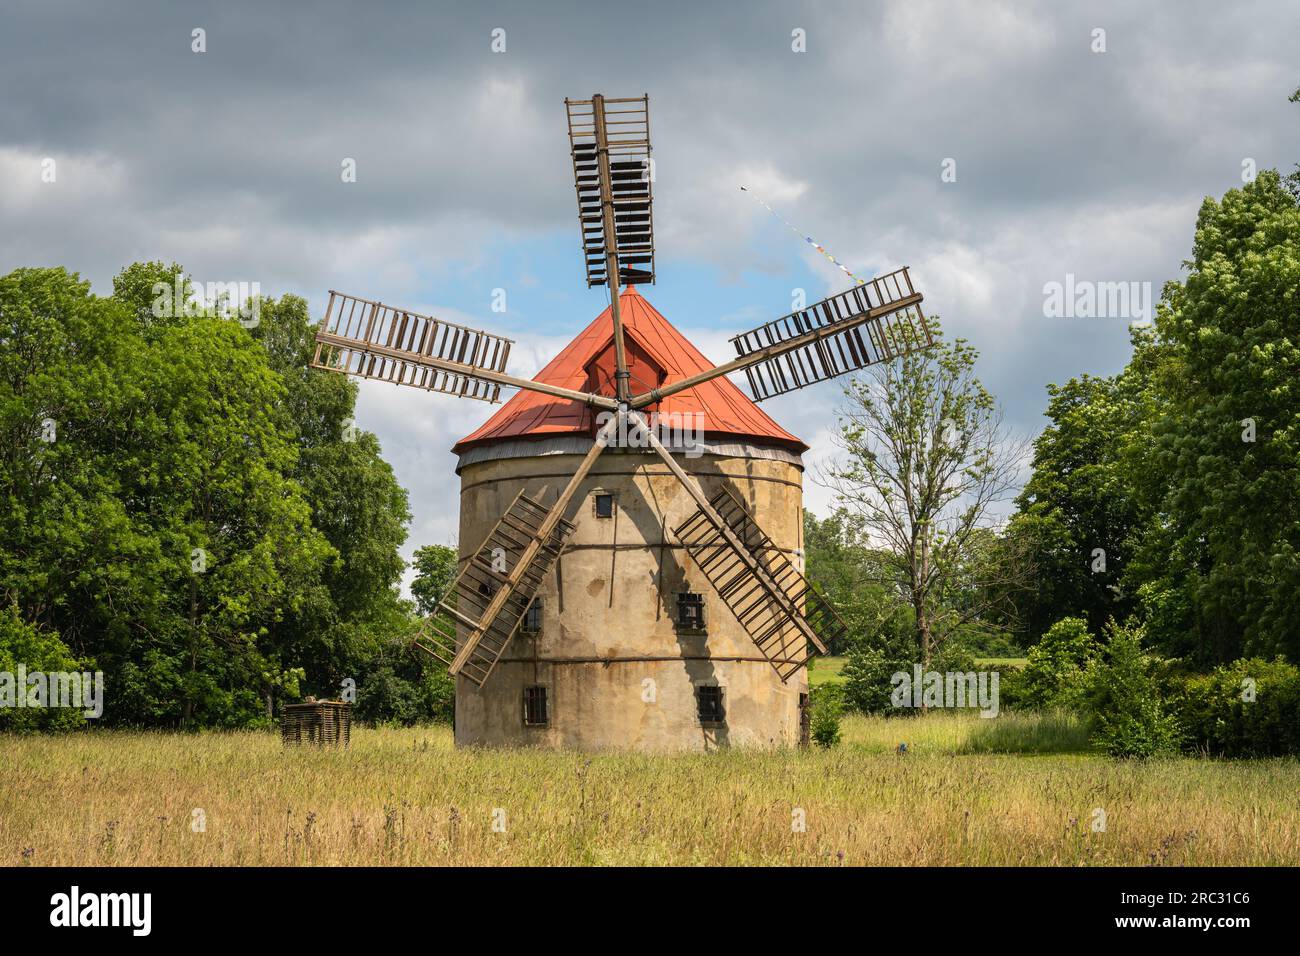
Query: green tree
{"type": "Point", "coordinates": [211, 477]}
{"type": "Point", "coordinates": [359, 627]}
{"type": "Point", "coordinates": [356, 503]}
{"type": "Point", "coordinates": [1078, 515]}
{"type": "Point", "coordinates": [1222, 558]}
{"type": "Point", "coordinates": [68, 539]}
{"type": "Point", "coordinates": [153, 517]}
{"type": "Point", "coordinates": [851, 575]}
{"type": "Point", "coordinates": [1185, 468]}
{"type": "Point", "coordinates": [435, 568]}
{"type": "Point", "coordinates": [926, 461]}
{"type": "Point", "coordinates": [148, 289]}
{"type": "Point", "coordinates": [190, 503]}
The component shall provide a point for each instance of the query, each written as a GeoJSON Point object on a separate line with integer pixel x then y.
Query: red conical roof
{"type": "Point", "coordinates": [657, 354]}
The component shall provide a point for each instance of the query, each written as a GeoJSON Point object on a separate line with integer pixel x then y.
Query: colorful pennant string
{"type": "Point", "coordinates": [808, 239]}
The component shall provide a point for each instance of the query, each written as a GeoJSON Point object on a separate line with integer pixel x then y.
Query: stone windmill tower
{"type": "Point", "coordinates": [630, 521]}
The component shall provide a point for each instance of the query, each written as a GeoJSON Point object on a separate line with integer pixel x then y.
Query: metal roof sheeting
{"type": "Point", "coordinates": [727, 411]}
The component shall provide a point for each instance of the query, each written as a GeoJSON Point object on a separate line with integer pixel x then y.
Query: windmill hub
{"type": "Point", "coordinates": [653, 599]}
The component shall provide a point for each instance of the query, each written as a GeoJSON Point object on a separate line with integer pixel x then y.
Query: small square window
{"type": "Point", "coordinates": [532, 622]}
{"type": "Point", "coordinates": [690, 611]}
{"type": "Point", "coordinates": [604, 505]}
{"type": "Point", "coordinates": [535, 713]}
{"type": "Point", "coordinates": [708, 704]}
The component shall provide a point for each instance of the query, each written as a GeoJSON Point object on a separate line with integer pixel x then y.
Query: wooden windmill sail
{"type": "Point", "coordinates": [781, 612]}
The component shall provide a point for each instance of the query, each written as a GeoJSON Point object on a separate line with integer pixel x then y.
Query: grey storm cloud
{"type": "Point", "coordinates": [1067, 160]}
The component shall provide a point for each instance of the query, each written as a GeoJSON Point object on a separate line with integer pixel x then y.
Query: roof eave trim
{"type": "Point", "coordinates": [543, 446]}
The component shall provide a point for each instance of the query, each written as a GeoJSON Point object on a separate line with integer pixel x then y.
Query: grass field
{"type": "Point", "coordinates": [825, 670]}
{"type": "Point", "coordinates": [1001, 661]}
{"type": "Point", "coordinates": [409, 797]}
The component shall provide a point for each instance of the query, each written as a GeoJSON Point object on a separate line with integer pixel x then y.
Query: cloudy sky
{"type": "Point", "coordinates": [1068, 161]}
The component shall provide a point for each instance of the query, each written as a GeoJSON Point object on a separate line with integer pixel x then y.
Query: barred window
{"type": "Point", "coordinates": [708, 704]}
{"type": "Point", "coordinates": [535, 713]}
{"type": "Point", "coordinates": [532, 622]}
{"type": "Point", "coordinates": [690, 611]}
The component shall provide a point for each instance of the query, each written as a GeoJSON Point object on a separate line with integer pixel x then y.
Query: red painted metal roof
{"type": "Point", "coordinates": [657, 354]}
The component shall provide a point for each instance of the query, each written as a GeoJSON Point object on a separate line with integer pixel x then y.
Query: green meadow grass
{"type": "Point", "coordinates": [965, 732]}
{"type": "Point", "coordinates": [1019, 789]}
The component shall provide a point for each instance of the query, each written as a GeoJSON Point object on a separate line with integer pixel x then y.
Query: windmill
{"type": "Point", "coordinates": [498, 582]}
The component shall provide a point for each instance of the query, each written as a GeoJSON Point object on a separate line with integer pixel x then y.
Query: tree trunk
{"type": "Point", "coordinates": [187, 714]}
{"type": "Point", "coordinates": [920, 601]}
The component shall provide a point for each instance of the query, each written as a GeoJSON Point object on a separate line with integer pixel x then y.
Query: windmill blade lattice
{"type": "Point", "coordinates": [488, 570]}
{"type": "Point", "coordinates": [876, 321]}
{"type": "Point", "coordinates": [372, 340]}
{"type": "Point", "coordinates": [767, 611]}
{"type": "Point", "coordinates": [505, 585]}
{"type": "Point", "coordinates": [616, 132]}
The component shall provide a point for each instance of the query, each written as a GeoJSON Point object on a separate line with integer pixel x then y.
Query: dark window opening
{"type": "Point", "coordinates": [535, 714]}
{"type": "Point", "coordinates": [604, 506]}
{"type": "Point", "coordinates": [533, 617]}
{"type": "Point", "coordinates": [708, 704]}
{"type": "Point", "coordinates": [690, 611]}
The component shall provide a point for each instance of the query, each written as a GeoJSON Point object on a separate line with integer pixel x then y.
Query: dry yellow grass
{"type": "Point", "coordinates": [409, 797]}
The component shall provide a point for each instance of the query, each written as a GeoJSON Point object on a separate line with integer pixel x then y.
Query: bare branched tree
{"type": "Point", "coordinates": [926, 461]}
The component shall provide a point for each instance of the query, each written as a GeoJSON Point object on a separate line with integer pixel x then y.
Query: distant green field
{"type": "Point", "coordinates": [828, 670]}
{"type": "Point", "coordinates": [1001, 661]}
{"type": "Point", "coordinates": [825, 670]}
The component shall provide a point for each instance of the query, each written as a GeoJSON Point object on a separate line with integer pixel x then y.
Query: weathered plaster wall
{"type": "Point", "coordinates": [618, 672]}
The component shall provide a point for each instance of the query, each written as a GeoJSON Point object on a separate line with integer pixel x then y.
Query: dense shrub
{"type": "Point", "coordinates": [1123, 700]}
{"type": "Point", "coordinates": [827, 705]}
{"type": "Point", "coordinates": [1217, 714]}
{"type": "Point", "coordinates": [35, 650]}
{"type": "Point", "coordinates": [1011, 687]}
{"type": "Point", "coordinates": [1053, 675]}
{"type": "Point", "coordinates": [994, 644]}
{"type": "Point", "coordinates": [952, 657]}
{"type": "Point", "coordinates": [386, 697]}
{"type": "Point", "coordinates": [869, 670]}
{"type": "Point", "coordinates": [866, 676]}
{"type": "Point", "coordinates": [439, 690]}
{"type": "Point", "coordinates": [406, 691]}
